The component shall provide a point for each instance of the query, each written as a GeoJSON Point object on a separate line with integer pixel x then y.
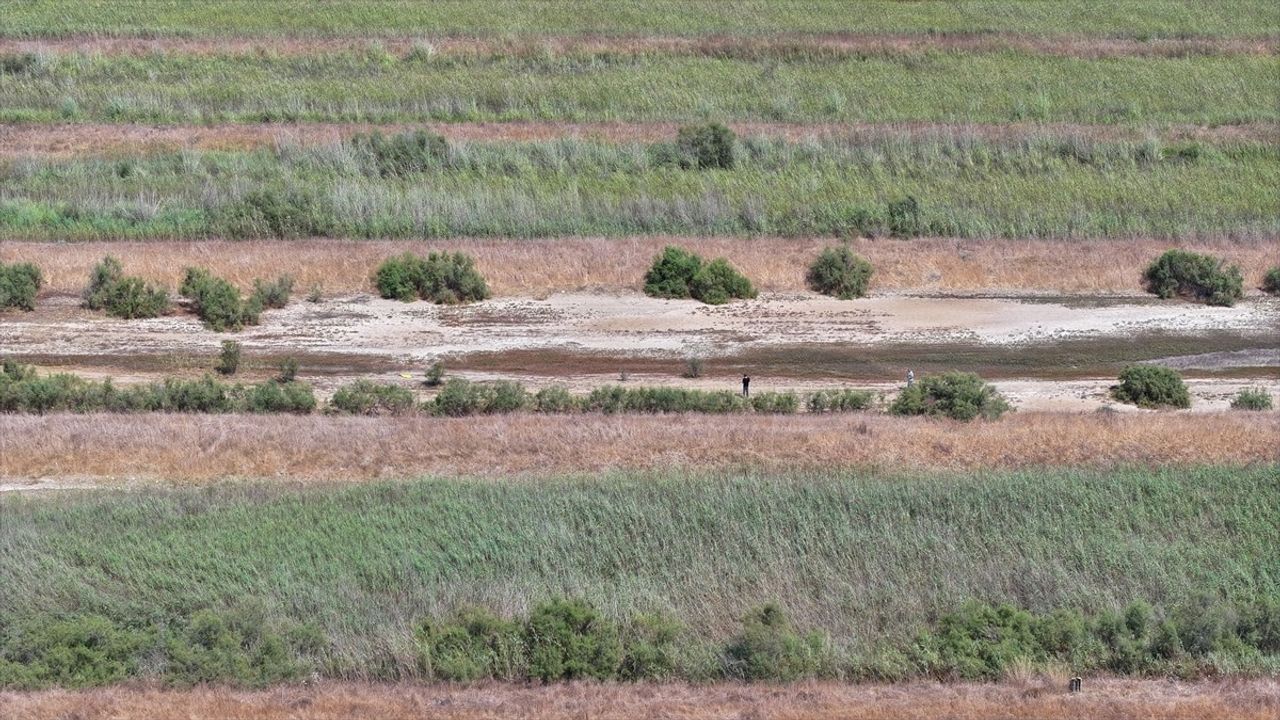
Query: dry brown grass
{"type": "Point", "coordinates": [195, 448]}
{"type": "Point", "coordinates": [540, 267]}
{"type": "Point", "coordinates": [1101, 700]}
{"type": "Point", "coordinates": [93, 139]}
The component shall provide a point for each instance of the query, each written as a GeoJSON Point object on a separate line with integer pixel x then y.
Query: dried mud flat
{"type": "Point", "coordinates": [1045, 353]}
{"type": "Point", "coordinates": [1103, 699]}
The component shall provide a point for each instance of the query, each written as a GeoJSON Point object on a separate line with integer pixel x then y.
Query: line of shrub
{"type": "Point", "coordinates": [123, 296]}
{"type": "Point", "coordinates": [957, 395]}
{"type": "Point", "coordinates": [221, 307]}
{"type": "Point", "coordinates": [22, 391]}
{"type": "Point", "coordinates": [568, 639]}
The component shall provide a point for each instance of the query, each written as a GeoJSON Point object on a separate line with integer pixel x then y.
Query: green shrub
{"type": "Point", "coordinates": [775, 402]}
{"type": "Point", "coordinates": [678, 273]}
{"type": "Point", "coordinates": [839, 272]}
{"type": "Point", "coordinates": [434, 376]}
{"type": "Point", "coordinates": [1192, 275]}
{"type": "Point", "coordinates": [706, 147]}
{"type": "Point", "coordinates": [274, 294]}
{"type": "Point", "coordinates": [769, 648]}
{"type": "Point", "coordinates": [475, 645]}
{"type": "Point", "coordinates": [288, 370]}
{"type": "Point", "coordinates": [120, 296]}
{"type": "Point", "coordinates": [228, 358]}
{"type": "Point", "coordinates": [905, 217]}
{"type": "Point", "coordinates": [217, 302]}
{"type": "Point", "coordinates": [364, 397]}
{"type": "Point", "coordinates": [957, 395]}
{"type": "Point", "coordinates": [280, 397]}
{"type": "Point", "coordinates": [19, 284]}
{"type": "Point", "coordinates": [231, 647]}
{"type": "Point", "coordinates": [977, 642]}
{"type": "Point", "coordinates": [403, 154]}
{"type": "Point", "coordinates": [610, 399]}
{"type": "Point", "coordinates": [717, 282]}
{"type": "Point", "coordinates": [1251, 399]}
{"type": "Point", "coordinates": [649, 648]}
{"type": "Point", "coordinates": [443, 278]}
{"type": "Point", "coordinates": [74, 652]}
{"type": "Point", "coordinates": [1271, 281]}
{"type": "Point", "coordinates": [1151, 386]}
{"type": "Point", "coordinates": [459, 397]}
{"type": "Point", "coordinates": [569, 640]}
{"type": "Point", "coordinates": [555, 399]}
{"type": "Point", "coordinates": [279, 213]}
{"type": "Point", "coordinates": [843, 400]}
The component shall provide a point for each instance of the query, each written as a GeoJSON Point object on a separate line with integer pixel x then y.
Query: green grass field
{"type": "Point", "coordinates": [1050, 187]}
{"type": "Point", "coordinates": [936, 87]}
{"type": "Point", "coordinates": [864, 558]}
{"type": "Point", "coordinates": [1125, 18]}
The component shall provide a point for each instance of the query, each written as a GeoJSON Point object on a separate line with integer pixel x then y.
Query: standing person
{"type": "Point", "coordinates": [911, 378]}
{"type": "Point", "coordinates": [746, 385]}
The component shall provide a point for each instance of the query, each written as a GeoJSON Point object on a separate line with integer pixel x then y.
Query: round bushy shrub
{"type": "Point", "coordinates": [1252, 399]}
{"type": "Point", "coordinates": [442, 278]}
{"type": "Point", "coordinates": [365, 397]}
{"type": "Point", "coordinates": [1152, 386]}
{"type": "Point", "coordinates": [218, 303]}
{"type": "Point", "coordinates": [769, 648]}
{"type": "Point", "coordinates": [569, 640]}
{"type": "Point", "coordinates": [706, 147]}
{"type": "Point", "coordinates": [839, 272]}
{"type": "Point", "coordinates": [474, 645]}
{"type": "Point", "coordinates": [120, 296]}
{"type": "Point", "coordinates": [957, 395]}
{"type": "Point", "coordinates": [19, 284]}
{"type": "Point", "coordinates": [678, 273]}
{"type": "Point", "coordinates": [1271, 281]}
{"type": "Point", "coordinates": [717, 282]}
{"type": "Point", "coordinates": [1179, 273]}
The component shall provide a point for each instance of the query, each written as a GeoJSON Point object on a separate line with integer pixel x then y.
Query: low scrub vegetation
{"type": "Point", "coordinates": [23, 391]}
{"type": "Point", "coordinates": [956, 395]}
{"type": "Point", "coordinates": [442, 278]}
{"type": "Point", "coordinates": [402, 154]}
{"type": "Point", "coordinates": [19, 284]}
{"type": "Point", "coordinates": [843, 400]}
{"type": "Point", "coordinates": [839, 272]}
{"type": "Point", "coordinates": [1252, 399]}
{"type": "Point", "coordinates": [1179, 273]}
{"type": "Point", "coordinates": [705, 147]}
{"type": "Point", "coordinates": [123, 296]}
{"type": "Point", "coordinates": [221, 306]}
{"type": "Point", "coordinates": [1152, 386]}
{"type": "Point", "coordinates": [677, 273]}
{"type": "Point", "coordinates": [1271, 281]}
{"type": "Point", "coordinates": [228, 358]}
{"type": "Point", "coordinates": [365, 397]}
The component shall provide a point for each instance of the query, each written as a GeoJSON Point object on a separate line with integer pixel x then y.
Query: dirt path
{"type": "Point", "coordinates": [1037, 699]}
{"type": "Point", "coordinates": [98, 139]}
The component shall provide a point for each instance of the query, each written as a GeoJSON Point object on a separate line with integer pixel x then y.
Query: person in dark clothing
{"type": "Point", "coordinates": [746, 386]}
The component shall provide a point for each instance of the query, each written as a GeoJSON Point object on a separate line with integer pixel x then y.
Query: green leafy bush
{"type": "Point", "coordinates": [19, 284]}
{"type": "Point", "coordinates": [706, 147]}
{"type": "Point", "coordinates": [233, 647]}
{"type": "Point", "coordinates": [364, 397]}
{"type": "Point", "coordinates": [569, 640]}
{"type": "Point", "coordinates": [843, 400]}
{"type": "Point", "coordinates": [1252, 399]}
{"type": "Point", "coordinates": [474, 645]}
{"type": "Point", "coordinates": [769, 648]}
{"type": "Point", "coordinates": [611, 399]}
{"type": "Point", "coordinates": [906, 217]}
{"type": "Point", "coordinates": [1151, 386]}
{"type": "Point", "coordinates": [280, 397]}
{"type": "Point", "coordinates": [274, 294]}
{"type": "Point", "coordinates": [555, 399]}
{"type": "Point", "coordinates": [120, 296]}
{"type": "Point", "coordinates": [443, 278]}
{"type": "Point", "coordinates": [218, 303]}
{"type": "Point", "coordinates": [403, 154]}
{"type": "Point", "coordinates": [276, 212]}
{"type": "Point", "coordinates": [228, 358]}
{"type": "Point", "coordinates": [1192, 275]}
{"type": "Point", "coordinates": [678, 273]}
{"type": "Point", "coordinates": [977, 642]}
{"type": "Point", "coordinates": [74, 652]}
{"type": "Point", "coordinates": [783, 403]}
{"type": "Point", "coordinates": [839, 272]}
{"type": "Point", "coordinates": [649, 648]}
{"type": "Point", "coordinates": [434, 375]}
{"type": "Point", "coordinates": [1271, 281]}
{"type": "Point", "coordinates": [957, 395]}
{"type": "Point", "coordinates": [459, 397]}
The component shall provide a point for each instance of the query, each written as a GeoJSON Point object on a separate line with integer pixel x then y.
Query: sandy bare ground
{"type": "Point", "coordinates": [60, 452]}
{"type": "Point", "coordinates": [94, 139]}
{"type": "Point", "coordinates": [1037, 700]}
{"type": "Point", "coordinates": [538, 267]}
{"type": "Point", "coordinates": [781, 44]}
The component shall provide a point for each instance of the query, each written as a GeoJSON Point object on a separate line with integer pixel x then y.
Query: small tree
{"type": "Point", "coordinates": [229, 358]}
{"type": "Point", "coordinates": [706, 147]}
{"type": "Point", "coordinates": [19, 284]}
{"type": "Point", "coordinates": [957, 395]}
{"type": "Point", "coordinates": [1152, 386]}
{"type": "Point", "coordinates": [839, 272]}
{"type": "Point", "coordinates": [1179, 273]}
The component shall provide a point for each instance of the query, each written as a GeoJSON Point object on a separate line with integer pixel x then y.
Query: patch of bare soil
{"type": "Point", "coordinates": [92, 139]}
{"type": "Point", "coordinates": [1102, 699]}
